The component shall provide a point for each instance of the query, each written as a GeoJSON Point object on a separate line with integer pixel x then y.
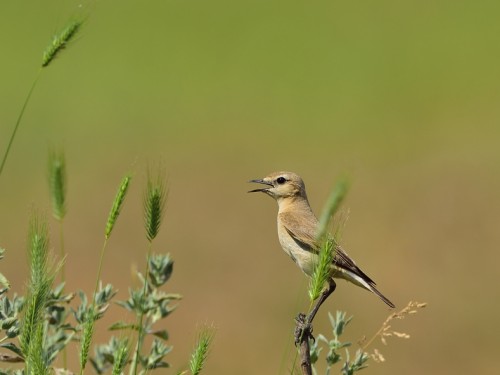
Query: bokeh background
{"type": "Point", "coordinates": [401, 97]}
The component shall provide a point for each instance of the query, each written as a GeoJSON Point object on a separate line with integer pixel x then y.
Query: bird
{"type": "Point", "coordinates": [298, 235]}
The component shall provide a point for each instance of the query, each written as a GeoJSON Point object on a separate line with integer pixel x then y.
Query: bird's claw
{"type": "Point", "coordinates": [303, 329]}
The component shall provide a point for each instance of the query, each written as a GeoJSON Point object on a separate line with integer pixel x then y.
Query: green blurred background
{"type": "Point", "coordinates": [402, 97]}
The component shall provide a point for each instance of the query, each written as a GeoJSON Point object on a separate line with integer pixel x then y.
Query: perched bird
{"type": "Point", "coordinates": [297, 232]}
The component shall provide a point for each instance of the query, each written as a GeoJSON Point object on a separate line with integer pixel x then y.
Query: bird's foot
{"type": "Point", "coordinates": [303, 329]}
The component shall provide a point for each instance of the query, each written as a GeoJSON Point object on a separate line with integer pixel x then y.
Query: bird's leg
{"type": "Point", "coordinates": [322, 298]}
{"type": "Point", "coordinates": [303, 329]}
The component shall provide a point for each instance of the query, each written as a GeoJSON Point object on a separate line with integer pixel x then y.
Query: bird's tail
{"type": "Point", "coordinates": [361, 279]}
{"type": "Point", "coordinates": [373, 289]}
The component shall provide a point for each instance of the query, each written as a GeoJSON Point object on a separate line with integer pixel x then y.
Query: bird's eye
{"type": "Point", "coordinates": [281, 180]}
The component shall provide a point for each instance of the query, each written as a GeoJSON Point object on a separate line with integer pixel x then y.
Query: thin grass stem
{"type": "Point", "coordinates": [18, 121]}
{"type": "Point", "coordinates": [99, 270]}
{"type": "Point", "coordinates": [57, 44]}
{"type": "Point", "coordinates": [63, 253]}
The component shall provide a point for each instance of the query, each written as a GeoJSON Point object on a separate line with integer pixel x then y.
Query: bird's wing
{"type": "Point", "coordinates": [304, 233]}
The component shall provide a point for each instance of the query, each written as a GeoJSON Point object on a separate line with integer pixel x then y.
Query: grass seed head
{"type": "Point", "coordinates": [60, 41]}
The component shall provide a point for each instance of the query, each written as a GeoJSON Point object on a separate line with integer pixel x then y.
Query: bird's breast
{"type": "Point", "coordinates": [303, 258]}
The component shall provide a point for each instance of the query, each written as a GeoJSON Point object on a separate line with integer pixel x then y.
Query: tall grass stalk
{"type": "Point", "coordinates": [153, 206]}
{"type": "Point", "coordinates": [88, 327]}
{"type": "Point", "coordinates": [110, 224]}
{"type": "Point", "coordinates": [58, 188]}
{"type": "Point", "coordinates": [58, 43]}
{"type": "Point", "coordinates": [39, 286]}
{"type": "Point", "coordinates": [328, 244]}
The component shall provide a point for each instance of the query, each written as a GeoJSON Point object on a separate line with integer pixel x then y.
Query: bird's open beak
{"type": "Point", "coordinates": [260, 182]}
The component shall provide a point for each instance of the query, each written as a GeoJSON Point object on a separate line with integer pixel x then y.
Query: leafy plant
{"type": "Point", "coordinates": [339, 350]}
{"type": "Point", "coordinates": [37, 328]}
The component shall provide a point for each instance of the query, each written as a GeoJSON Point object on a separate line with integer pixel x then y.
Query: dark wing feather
{"type": "Point", "coordinates": [342, 260]}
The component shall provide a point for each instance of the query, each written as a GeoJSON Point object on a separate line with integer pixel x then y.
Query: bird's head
{"type": "Point", "coordinates": [282, 185]}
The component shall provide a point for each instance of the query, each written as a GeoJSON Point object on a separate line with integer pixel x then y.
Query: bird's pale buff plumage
{"type": "Point", "coordinates": [297, 230]}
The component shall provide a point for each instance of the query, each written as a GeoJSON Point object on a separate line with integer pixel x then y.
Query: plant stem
{"type": "Point", "coordinates": [63, 278]}
{"type": "Point", "coordinates": [63, 254]}
{"type": "Point", "coordinates": [304, 328]}
{"type": "Point", "coordinates": [140, 332]}
{"type": "Point", "coordinates": [379, 332]}
{"type": "Point", "coordinates": [19, 118]}
{"type": "Point", "coordinates": [297, 326]}
{"type": "Point", "coordinates": [99, 270]}
{"type": "Point", "coordinates": [92, 309]}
